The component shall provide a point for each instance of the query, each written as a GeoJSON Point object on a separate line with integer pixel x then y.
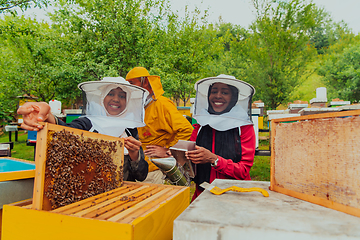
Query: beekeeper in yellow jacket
{"type": "Point", "coordinates": [165, 125]}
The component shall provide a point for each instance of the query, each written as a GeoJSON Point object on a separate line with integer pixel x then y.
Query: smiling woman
{"type": "Point", "coordinates": [224, 135]}
{"type": "Point", "coordinates": [112, 107]}
{"type": "Point", "coordinates": [115, 101]}
{"type": "Point", "coordinates": [222, 98]}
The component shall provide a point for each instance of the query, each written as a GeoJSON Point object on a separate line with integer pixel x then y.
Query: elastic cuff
{"type": "Point", "coordinates": [56, 120]}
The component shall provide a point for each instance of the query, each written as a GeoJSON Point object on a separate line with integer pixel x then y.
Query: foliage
{"type": "Point", "coordinates": [34, 60]}
{"type": "Point", "coordinates": [307, 90]}
{"type": "Point", "coordinates": [7, 105]}
{"type": "Point", "coordinates": [91, 39]}
{"type": "Point", "coordinates": [327, 32]}
{"type": "Point", "coordinates": [341, 71]}
{"type": "Point", "coordinates": [106, 38]}
{"type": "Point", "coordinates": [10, 5]}
{"type": "Point", "coordinates": [229, 61]}
{"type": "Point", "coordinates": [109, 37]}
{"type": "Point", "coordinates": [187, 46]}
{"type": "Point", "coordinates": [276, 49]}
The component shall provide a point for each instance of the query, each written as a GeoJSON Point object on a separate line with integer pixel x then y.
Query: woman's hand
{"type": "Point", "coordinates": [201, 155]}
{"type": "Point", "coordinates": [33, 113]}
{"type": "Point", "coordinates": [133, 146]}
{"type": "Point", "coordinates": [155, 151]}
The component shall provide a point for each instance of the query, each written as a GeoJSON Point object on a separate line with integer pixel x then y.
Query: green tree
{"type": "Point", "coordinates": [276, 48]}
{"type": "Point", "coordinates": [110, 37]}
{"type": "Point", "coordinates": [10, 5]}
{"type": "Point", "coordinates": [33, 61]}
{"type": "Point", "coordinates": [228, 62]}
{"type": "Point", "coordinates": [186, 48]}
{"type": "Point", "coordinates": [327, 32]}
{"type": "Point", "coordinates": [341, 71]}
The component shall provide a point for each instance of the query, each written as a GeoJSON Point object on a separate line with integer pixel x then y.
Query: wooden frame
{"type": "Point", "coordinates": [44, 137]}
{"type": "Point", "coordinates": [315, 158]}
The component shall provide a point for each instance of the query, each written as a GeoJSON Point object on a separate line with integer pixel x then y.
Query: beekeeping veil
{"type": "Point", "coordinates": [114, 125]}
{"type": "Point", "coordinates": [238, 115]}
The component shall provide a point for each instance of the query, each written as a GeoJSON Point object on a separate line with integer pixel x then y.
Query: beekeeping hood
{"type": "Point", "coordinates": [155, 82]}
{"type": "Point", "coordinates": [114, 125]}
{"type": "Point", "coordinates": [239, 115]}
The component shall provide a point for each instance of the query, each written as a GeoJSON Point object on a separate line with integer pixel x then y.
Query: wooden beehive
{"type": "Point", "coordinates": [316, 158]}
{"type": "Point", "coordinates": [73, 164]}
{"type": "Point", "coordinates": [132, 211]}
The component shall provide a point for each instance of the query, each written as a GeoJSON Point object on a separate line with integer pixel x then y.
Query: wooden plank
{"type": "Point", "coordinates": [125, 213]}
{"type": "Point", "coordinates": [102, 204]}
{"type": "Point", "coordinates": [123, 204]}
{"type": "Point", "coordinates": [316, 159]}
{"type": "Point", "coordinates": [86, 203]}
{"type": "Point", "coordinates": [272, 157]}
{"type": "Point", "coordinates": [40, 159]}
{"type": "Point", "coordinates": [320, 201]}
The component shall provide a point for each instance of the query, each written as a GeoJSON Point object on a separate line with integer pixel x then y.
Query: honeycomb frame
{"type": "Point", "coordinates": [73, 164]}
{"type": "Point", "coordinates": [315, 158]}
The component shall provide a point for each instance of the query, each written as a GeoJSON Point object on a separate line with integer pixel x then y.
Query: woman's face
{"type": "Point", "coordinates": [115, 101]}
{"type": "Point", "coordinates": [220, 96]}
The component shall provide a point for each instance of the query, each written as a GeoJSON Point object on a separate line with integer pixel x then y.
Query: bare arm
{"type": "Point", "coordinates": [33, 113]}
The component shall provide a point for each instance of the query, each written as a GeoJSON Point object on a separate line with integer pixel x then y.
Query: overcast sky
{"type": "Point", "coordinates": [240, 12]}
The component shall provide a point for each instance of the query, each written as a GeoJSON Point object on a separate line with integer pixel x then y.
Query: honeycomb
{"type": "Point", "coordinates": [78, 167]}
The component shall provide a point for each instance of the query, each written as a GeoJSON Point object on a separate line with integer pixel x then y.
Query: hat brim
{"type": "Point", "coordinates": [245, 89]}
{"type": "Point", "coordinates": [94, 87]}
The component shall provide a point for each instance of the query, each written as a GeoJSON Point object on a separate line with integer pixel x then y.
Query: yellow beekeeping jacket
{"type": "Point", "coordinates": [165, 125]}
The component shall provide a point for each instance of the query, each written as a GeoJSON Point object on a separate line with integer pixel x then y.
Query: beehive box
{"type": "Point", "coordinates": [316, 158]}
{"type": "Point", "coordinates": [16, 181]}
{"type": "Point", "coordinates": [73, 164]}
{"type": "Point", "coordinates": [133, 211]}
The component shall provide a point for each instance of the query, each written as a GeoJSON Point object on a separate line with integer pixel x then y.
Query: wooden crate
{"type": "Point", "coordinates": [316, 158]}
{"type": "Point", "coordinates": [133, 211]}
{"type": "Point", "coordinates": [73, 164]}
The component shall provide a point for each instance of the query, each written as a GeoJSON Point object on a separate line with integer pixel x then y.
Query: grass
{"type": "Point", "coordinates": [260, 171]}
{"type": "Point", "coordinates": [20, 149]}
